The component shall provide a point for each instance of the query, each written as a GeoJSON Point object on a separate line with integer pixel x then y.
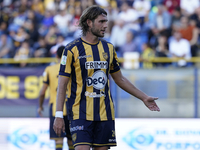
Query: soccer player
{"type": "Point", "coordinates": [85, 67]}
{"type": "Point", "coordinates": [50, 79]}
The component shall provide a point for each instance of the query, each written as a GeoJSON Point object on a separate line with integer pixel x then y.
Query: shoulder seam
{"type": "Point", "coordinates": [72, 44]}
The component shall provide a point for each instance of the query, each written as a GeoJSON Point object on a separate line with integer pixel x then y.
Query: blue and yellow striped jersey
{"type": "Point", "coordinates": [88, 67]}
{"type": "Point", "coordinates": [50, 77]}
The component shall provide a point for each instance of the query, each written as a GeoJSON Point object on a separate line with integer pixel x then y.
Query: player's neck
{"type": "Point", "coordinates": [90, 38]}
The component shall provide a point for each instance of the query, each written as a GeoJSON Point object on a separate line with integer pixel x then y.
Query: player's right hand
{"type": "Point", "coordinates": [59, 126]}
{"type": "Point", "coordinates": [40, 109]}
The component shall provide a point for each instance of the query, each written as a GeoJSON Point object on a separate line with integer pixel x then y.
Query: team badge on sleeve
{"type": "Point", "coordinates": [64, 60]}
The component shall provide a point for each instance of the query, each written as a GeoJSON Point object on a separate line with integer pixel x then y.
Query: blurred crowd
{"type": "Point", "coordinates": [140, 29]}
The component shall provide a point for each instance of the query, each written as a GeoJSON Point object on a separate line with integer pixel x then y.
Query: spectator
{"type": "Point", "coordinates": [159, 24]}
{"type": "Point", "coordinates": [48, 21]}
{"type": "Point", "coordinates": [24, 52]}
{"type": "Point", "coordinates": [73, 26]}
{"type": "Point", "coordinates": [142, 7]}
{"type": "Point", "coordinates": [129, 50]}
{"type": "Point", "coordinates": [196, 17]}
{"type": "Point", "coordinates": [3, 28]}
{"type": "Point", "coordinates": [5, 46]}
{"type": "Point", "coordinates": [5, 16]}
{"type": "Point", "coordinates": [171, 5]}
{"type": "Point", "coordinates": [37, 12]}
{"type": "Point", "coordinates": [5, 3]}
{"type": "Point", "coordinates": [162, 50]}
{"type": "Point", "coordinates": [38, 6]}
{"type": "Point", "coordinates": [40, 48]}
{"type": "Point", "coordinates": [31, 16]}
{"type": "Point", "coordinates": [102, 3]}
{"type": "Point", "coordinates": [129, 16]}
{"type": "Point", "coordinates": [51, 37]}
{"type": "Point", "coordinates": [19, 37]}
{"type": "Point", "coordinates": [62, 20]}
{"type": "Point", "coordinates": [161, 20]}
{"type": "Point", "coordinates": [72, 3]}
{"type": "Point", "coordinates": [147, 55]}
{"type": "Point", "coordinates": [87, 3]}
{"type": "Point", "coordinates": [189, 31]}
{"type": "Point", "coordinates": [60, 5]}
{"type": "Point", "coordinates": [120, 2]}
{"type": "Point", "coordinates": [32, 32]}
{"type": "Point", "coordinates": [19, 17]}
{"type": "Point", "coordinates": [60, 41]}
{"type": "Point", "coordinates": [179, 48]}
{"type": "Point", "coordinates": [24, 4]}
{"type": "Point", "coordinates": [129, 45]}
{"type": "Point", "coordinates": [176, 17]}
{"type": "Point", "coordinates": [50, 5]}
{"type": "Point", "coordinates": [118, 34]}
{"type": "Point", "coordinates": [112, 14]}
{"type": "Point", "coordinates": [188, 7]}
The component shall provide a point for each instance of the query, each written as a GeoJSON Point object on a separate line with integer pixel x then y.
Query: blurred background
{"type": "Point", "coordinates": [158, 45]}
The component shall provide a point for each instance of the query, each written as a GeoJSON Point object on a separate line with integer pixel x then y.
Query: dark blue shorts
{"type": "Point", "coordinates": [53, 135]}
{"type": "Point", "coordinates": [93, 133]}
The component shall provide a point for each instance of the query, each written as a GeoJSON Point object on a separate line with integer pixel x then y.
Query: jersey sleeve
{"type": "Point", "coordinates": [66, 63]}
{"type": "Point", "coordinates": [46, 76]}
{"type": "Point", "coordinates": [114, 65]}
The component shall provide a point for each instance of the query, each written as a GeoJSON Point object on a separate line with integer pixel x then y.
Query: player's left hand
{"type": "Point", "coordinates": [40, 109]}
{"type": "Point", "coordinates": [151, 104]}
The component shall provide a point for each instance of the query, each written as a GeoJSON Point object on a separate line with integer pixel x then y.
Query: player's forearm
{"type": "Point", "coordinates": [42, 94]}
{"type": "Point", "coordinates": [61, 94]}
{"type": "Point", "coordinates": [41, 100]}
{"type": "Point", "coordinates": [127, 86]}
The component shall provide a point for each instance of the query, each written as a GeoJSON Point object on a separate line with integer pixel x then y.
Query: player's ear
{"type": "Point", "coordinates": [89, 22]}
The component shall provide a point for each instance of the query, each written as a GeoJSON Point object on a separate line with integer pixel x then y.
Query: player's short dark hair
{"type": "Point", "coordinates": [90, 13]}
{"type": "Point", "coordinates": [60, 51]}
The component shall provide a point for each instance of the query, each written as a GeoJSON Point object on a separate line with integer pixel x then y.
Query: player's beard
{"type": "Point", "coordinates": [96, 32]}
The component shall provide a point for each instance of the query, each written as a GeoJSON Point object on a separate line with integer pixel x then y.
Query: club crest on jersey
{"type": "Point", "coordinates": [105, 55]}
{"type": "Point", "coordinates": [64, 60]}
{"type": "Point", "coordinates": [74, 136]}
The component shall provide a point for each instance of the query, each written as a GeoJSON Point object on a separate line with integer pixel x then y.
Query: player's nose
{"type": "Point", "coordinates": [105, 25]}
